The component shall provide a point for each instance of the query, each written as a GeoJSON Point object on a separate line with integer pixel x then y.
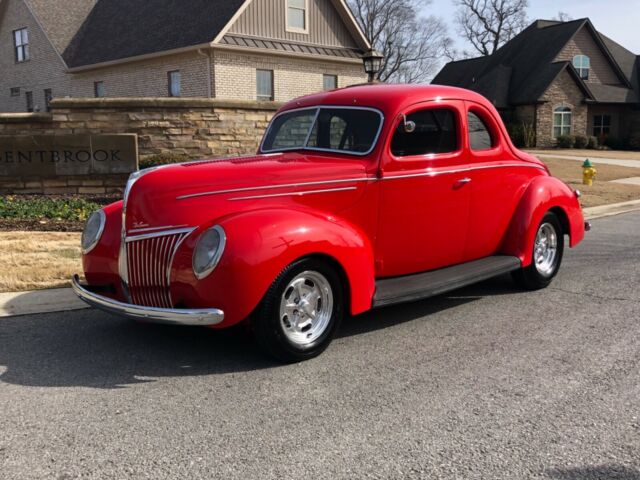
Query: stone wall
{"type": "Point", "coordinates": [563, 92]}
{"type": "Point", "coordinates": [197, 128]}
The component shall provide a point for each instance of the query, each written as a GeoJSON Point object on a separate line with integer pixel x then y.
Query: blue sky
{"type": "Point", "coordinates": [617, 19]}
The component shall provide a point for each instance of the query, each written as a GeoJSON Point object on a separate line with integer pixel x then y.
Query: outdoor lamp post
{"type": "Point", "coordinates": [372, 63]}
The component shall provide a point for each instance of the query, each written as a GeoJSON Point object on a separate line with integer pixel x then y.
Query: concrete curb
{"type": "Point", "coordinates": [63, 299]}
{"type": "Point", "coordinates": [39, 301]}
{"type": "Point", "coordinates": [592, 213]}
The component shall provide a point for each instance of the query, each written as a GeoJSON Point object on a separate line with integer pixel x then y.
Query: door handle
{"type": "Point", "coordinates": [462, 181]}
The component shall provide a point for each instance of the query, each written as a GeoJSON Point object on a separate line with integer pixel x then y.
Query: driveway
{"type": "Point", "coordinates": [488, 382]}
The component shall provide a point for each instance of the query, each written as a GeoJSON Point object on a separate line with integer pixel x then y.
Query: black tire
{"type": "Point", "coordinates": [532, 277]}
{"type": "Point", "coordinates": [268, 327]}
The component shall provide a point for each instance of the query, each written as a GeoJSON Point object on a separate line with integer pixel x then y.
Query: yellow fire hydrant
{"type": "Point", "coordinates": [588, 173]}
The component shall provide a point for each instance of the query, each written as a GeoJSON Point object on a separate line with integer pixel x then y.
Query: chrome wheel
{"type": "Point", "coordinates": [306, 307]}
{"type": "Point", "coordinates": [545, 249]}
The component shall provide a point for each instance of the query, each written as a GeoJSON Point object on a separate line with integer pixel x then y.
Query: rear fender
{"type": "Point", "coordinates": [260, 244]}
{"type": "Point", "coordinates": [542, 195]}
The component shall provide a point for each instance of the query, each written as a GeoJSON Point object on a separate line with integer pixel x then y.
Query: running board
{"type": "Point", "coordinates": [428, 284]}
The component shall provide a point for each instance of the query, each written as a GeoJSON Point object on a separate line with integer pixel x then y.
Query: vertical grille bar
{"type": "Point", "coordinates": [149, 259]}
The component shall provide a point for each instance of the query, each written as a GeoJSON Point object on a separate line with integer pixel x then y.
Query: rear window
{"type": "Point", "coordinates": [344, 130]}
{"type": "Point", "coordinates": [435, 132]}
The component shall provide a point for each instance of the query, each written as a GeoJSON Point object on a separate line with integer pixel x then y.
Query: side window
{"type": "Point", "coordinates": [435, 132]}
{"type": "Point", "coordinates": [479, 134]}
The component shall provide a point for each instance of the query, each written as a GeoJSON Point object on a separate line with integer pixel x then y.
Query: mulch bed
{"type": "Point", "coordinates": [30, 225]}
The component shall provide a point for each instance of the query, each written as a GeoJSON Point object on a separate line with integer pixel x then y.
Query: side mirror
{"type": "Point", "coordinates": [409, 126]}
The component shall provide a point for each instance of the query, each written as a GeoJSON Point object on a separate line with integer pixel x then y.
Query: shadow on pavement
{"type": "Point", "coordinates": [601, 472]}
{"type": "Point", "coordinates": [89, 348]}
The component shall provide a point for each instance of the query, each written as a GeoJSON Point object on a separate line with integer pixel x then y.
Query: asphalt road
{"type": "Point", "coordinates": [486, 383]}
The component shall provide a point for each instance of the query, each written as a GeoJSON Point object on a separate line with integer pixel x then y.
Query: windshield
{"type": "Point", "coordinates": [336, 129]}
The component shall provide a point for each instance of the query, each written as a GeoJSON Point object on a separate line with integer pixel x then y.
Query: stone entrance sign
{"type": "Point", "coordinates": [51, 156]}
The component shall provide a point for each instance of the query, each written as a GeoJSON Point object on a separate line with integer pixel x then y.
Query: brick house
{"type": "Point", "coordinates": [225, 49]}
{"type": "Point", "coordinates": [562, 78]}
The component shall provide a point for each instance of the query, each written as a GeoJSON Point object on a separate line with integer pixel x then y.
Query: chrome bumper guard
{"type": "Point", "coordinates": [171, 316]}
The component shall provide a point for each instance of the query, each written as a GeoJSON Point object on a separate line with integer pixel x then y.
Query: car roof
{"type": "Point", "coordinates": [389, 98]}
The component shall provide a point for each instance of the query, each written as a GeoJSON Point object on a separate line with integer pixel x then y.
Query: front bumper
{"type": "Point", "coordinates": [172, 316]}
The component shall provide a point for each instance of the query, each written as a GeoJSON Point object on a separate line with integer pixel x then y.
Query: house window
{"type": "Point", "coordinates": [15, 92]}
{"type": "Point", "coordinates": [21, 44]}
{"type": "Point", "coordinates": [297, 12]}
{"type": "Point", "coordinates": [479, 135]}
{"type": "Point", "coordinates": [561, 122]}
{"type": "Point", "coordinates": [29, 98]}
{"type": "Point", "coordinates": [48, 96]}
{"type": "Point", "coordinates": [435, 132]}
{"type": "Point", "coordinates": [174, 83]}
{"type": "Point", "coordinates": [264, 85]}
{"type": "Point", "coordinates": [601, 125]}
{"type": "Point", "coordinates": [582, 63]}
{"type": "Point", "coordinates": [98, 89]}
{"type": "Point", "coordinates": [329, 82]}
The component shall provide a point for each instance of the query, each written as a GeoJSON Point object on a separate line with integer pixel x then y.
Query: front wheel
{"type": "Point", "coordinates": [547, 255]}
{"type": "Point", "coordinates": [301, 311]}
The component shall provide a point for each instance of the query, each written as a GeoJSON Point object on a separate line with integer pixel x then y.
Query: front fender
{"type": "Point", "coordinates": [260, 244]}
{"type": "Point", "coordinates": [543, 194]}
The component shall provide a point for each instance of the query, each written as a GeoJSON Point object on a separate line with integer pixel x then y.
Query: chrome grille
{"type": "Point", "coordinates": [149, 258]}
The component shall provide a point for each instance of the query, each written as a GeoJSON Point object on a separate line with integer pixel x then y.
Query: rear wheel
{"type": "Point", "coordinates": [301, 311]}
{"type": "Point", "coordinates": [548, 248]}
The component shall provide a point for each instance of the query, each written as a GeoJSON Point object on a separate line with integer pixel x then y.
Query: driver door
{"type": "Point", "coordinates": [425, 195]}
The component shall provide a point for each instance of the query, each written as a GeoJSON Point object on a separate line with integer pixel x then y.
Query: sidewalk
{"type": "Point", "coordinates": [595, 160]}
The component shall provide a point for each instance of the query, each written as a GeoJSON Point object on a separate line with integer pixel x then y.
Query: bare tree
{"type": "Point", "coordinates": [489, 24]}
{"type": "Point", "coordinates": [563, 17]}
{"type": "Point", "coordinates": [412, 43]}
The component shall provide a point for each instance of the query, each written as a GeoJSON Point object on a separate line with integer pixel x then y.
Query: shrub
{"type": "Point", "coordinates": [523, 135]}
{"type": "Point", "coordinates": [162, 159]}
{"type": "Point", "coordinates": [580, 141]}
{"type": "Point", "coordinates": [75, 209]}
{"type": "Point", "coordinates": [592, 143]}
{"type": "Point", "coordinates": [615, 143]}
{"type": "Point", "coordinates": [565, 141]}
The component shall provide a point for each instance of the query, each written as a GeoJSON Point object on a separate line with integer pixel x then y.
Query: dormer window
{"type": "Point", "coordinates": [297, 16]}
{"type": "Point", "coordinates": [21, 45]}
{"type": "Point", "coordinates": [582, 63]}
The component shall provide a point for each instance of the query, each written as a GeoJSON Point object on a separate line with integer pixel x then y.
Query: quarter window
{"type": "Point", "coordinates": [264, 85]}
{"type": "Point", "coordinates": [435, 132]}
{"type": "Point", "coordinates": [329, 82]}
{"type": "Point", "coordinates": [479, 135]}
{"type": "Point", "coordinates": [21, 44]}
{"type": "Point", "coordinates": [297, 15]}
{"type": "Point", "coordinates": [175, 81]}
{"type": "Point", "coordinates": [561, 122]}
{"type": "Point", "coordinates": [601, 125]}
{"type": "Point", "coordinates": [582, 63]}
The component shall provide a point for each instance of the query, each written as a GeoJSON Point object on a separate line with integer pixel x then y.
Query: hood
{"type": "Point", "coordinates": [189, 194]}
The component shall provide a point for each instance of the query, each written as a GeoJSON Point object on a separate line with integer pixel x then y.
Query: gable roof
{"type": "Point", "coordinates": [530, 57]}
{"type": "Point", "coordinates": [60, 19]}
{"type": "Point", "coordinates": [117, 29]}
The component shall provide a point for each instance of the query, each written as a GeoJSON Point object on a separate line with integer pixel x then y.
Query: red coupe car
{"type": "Point", "coordinates": [357, 198]}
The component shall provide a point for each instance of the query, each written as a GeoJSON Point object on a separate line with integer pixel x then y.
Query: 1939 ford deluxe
{"type": "Point", "coordinates": [357, 198]}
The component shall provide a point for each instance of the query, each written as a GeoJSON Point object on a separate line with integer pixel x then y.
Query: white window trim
{"type": "Point", "coordinates": [562, 125]}
{"type": "Point", "coordinates": [306, 19]}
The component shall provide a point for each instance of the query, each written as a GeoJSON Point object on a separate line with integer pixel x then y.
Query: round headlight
{"type": "Point", "coordinates": [93, 231]}
{"type": "Point", "coordinates": [208, 251]}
